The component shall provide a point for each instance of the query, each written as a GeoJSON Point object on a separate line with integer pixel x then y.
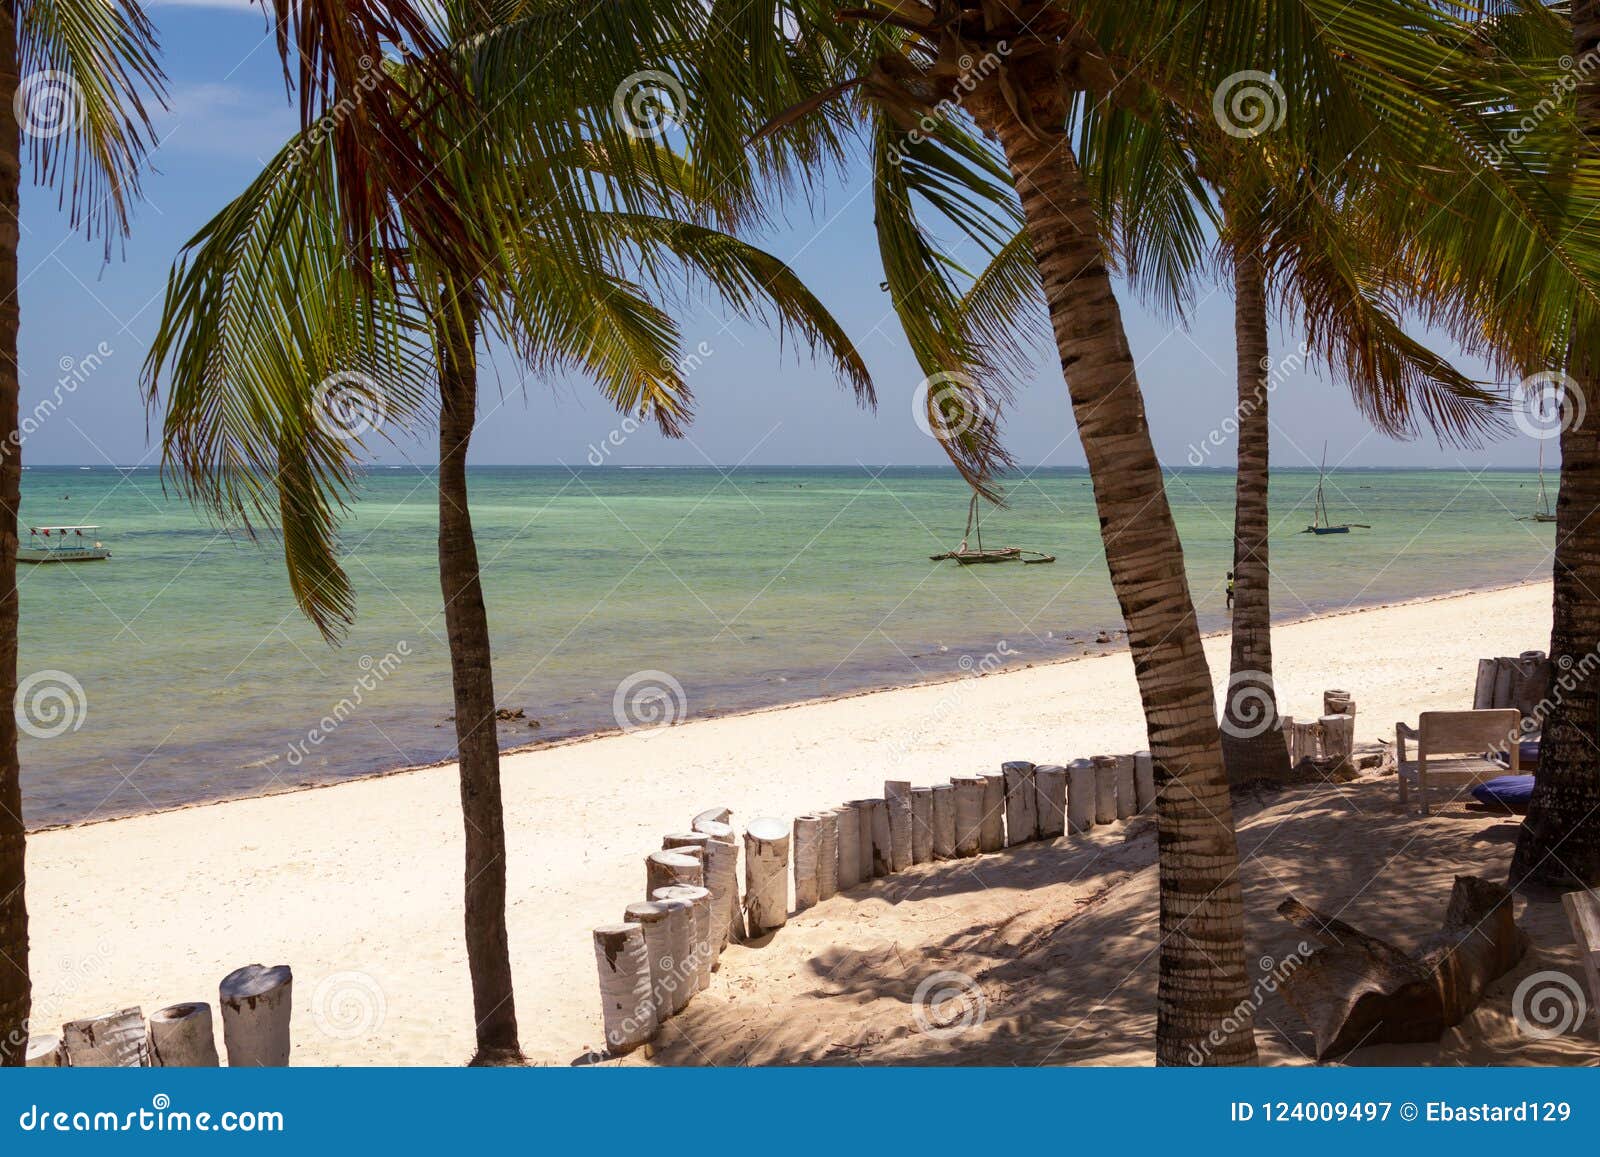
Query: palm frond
{"type": "Point", "coordinates": [87, 69]}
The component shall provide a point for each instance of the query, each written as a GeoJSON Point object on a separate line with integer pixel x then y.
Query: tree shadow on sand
{"type": "Point", "coordinates": [1046, 953]}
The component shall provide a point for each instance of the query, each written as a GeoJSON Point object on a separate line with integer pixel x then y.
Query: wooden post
{"type": "Point", "coordinates": [255, 1015]}
{"type": "Point", "coordinates": [1081, 791]}
{"type": "Point", "coordinates": [1050, 784]}
{"type": "Point", "coordinates": [1483, 691]}
{"type": "Point", "coordinates": [721, 875]}
{"type": "Point", "coordinates": [944, 821]}
{"type": "Point", "coordinates": [992, 832]}
{"type": "Point", "coordinates": [897, 795]}
{"type": "Point", "coordinates": [882, 841]}
{"type": "Point", "coordinates": [697, 964]}
{"type": "Point", "coordinates": [864, 859]}
{"type": "Point", "coordinates": [1144, 781]}
{"type": "Point", "coordinates": [827, 853]}
{"type": "Point", "coordinates": [1022, 802]}
{"type": "Point", "coordinates": [1105, 789]}
{"type": "Point", "coordinates": [712, 815]}
{"type": "Point", "coordinates": [45, 1052]}
{"type": "Point", "coordinates": [969, 813]}
{"type": "Point", "coordinates": [807, 851]}
{"type": "Point", "coordinates": [181, 1036]}
{"type": "Point", "coordinates": [766, 874]}
{"type": "Point", "coordinates": [681, 975]}
{"type": "Point", "coordinates": [665, 869]}
{"type": "Point", "coordinates": [849, 846]}
{"type": "Point", "coordinates": [1127, 801]}
{"type": "Point", "coordinates": [114, 1040]}
{"type": "Point", "coordinates": [680, 841]}
{"type": "Point", "coordinates": [1338, 740]}
{"type": "Point", "coordinates": [652, 920]}
{"type": "Point", "coordinates": [626, 1007]}
{"type": "Point", "coordinates": [921, 825]}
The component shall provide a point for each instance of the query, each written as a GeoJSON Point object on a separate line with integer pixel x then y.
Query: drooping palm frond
{"type": "Point", "coordinates": [268, 318]}
{"type": "Point", "coordinates": [963, 393]}
{"type": "Point", "coordinates": [86, 69]}
{"type": "Point", "coordinates": [279, 361]}
{"type": "Point", "coordinates": [1329, 270]}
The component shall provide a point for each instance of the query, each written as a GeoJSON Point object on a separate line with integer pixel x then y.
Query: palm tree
{"type": "Point", "coordinates": [1037, 78]}
{"type": "Point", "coordinates": [74, 79]}
{"type": "Point", "coordinates": [1505, 253]}
{"type": "Point", "coordinates": [273, 335]}
{"type": "Point", "coordinates": [1558, 845]}
{"type": "Point", "coordinates": [1291, 232]}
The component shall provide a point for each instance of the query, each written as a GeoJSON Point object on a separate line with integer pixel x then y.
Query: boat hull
{"type": "Point", "coordinates": [969, 557]}
{"type": "Point", "coordinates": [1328, 529]}
{"type": "Point", "coordinates": [71, 554]}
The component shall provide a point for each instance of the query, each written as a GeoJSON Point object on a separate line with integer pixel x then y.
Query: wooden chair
{"type": "Point", "coordinates": [1583, 913]}
{"type": "Point", "coordinates": [1463, 737]}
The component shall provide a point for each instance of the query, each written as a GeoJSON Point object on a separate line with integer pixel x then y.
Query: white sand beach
{"type": "Point", "coordinates": [357, 886]}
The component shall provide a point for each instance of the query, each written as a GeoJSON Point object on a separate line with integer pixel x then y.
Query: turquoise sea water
{"type": "Point", "coordinates": [200, 679]}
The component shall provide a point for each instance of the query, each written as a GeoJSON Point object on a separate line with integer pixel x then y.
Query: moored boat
{"type": "Point", "coordinates": [62, 544]}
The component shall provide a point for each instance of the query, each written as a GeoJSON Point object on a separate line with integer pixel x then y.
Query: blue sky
{"type": "Point", "coordinates": [756, 402]}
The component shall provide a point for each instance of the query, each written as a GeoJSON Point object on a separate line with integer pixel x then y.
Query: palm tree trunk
{"type": "Point", "coordinates": [1559, 843]}
{"type": "Point", "coordinates": [467, 622]}
{"type": "Point", "coordinates": [15, 988]}
{"type": "Point", "coordinates": [1253, 745]}
{"type": "Point", "coordinates": [1203, 988]}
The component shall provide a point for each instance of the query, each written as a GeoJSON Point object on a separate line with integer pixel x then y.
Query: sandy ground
{"type": "Point", "coordinates": [1046, 954]}
{"type": "Point", "coordinates": [357, 886]}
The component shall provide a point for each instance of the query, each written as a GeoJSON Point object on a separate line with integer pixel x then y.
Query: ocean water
{"type": "Point", "coordinates": [180, 670]}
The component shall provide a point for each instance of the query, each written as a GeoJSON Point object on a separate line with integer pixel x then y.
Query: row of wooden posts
{"type": "Point", "coordinates": [255, 1003]}
{"type": "Point", "coordinates": [668, 944]}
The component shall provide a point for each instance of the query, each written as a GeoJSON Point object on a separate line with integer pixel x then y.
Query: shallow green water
{"type": "Point", "coordinates": [200, 679]}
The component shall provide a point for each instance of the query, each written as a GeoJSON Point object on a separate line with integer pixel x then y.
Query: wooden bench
{"type": "Point", "coordinates": [1583, 913]}
{"type": "Point", "coordinates": [1451, 748]}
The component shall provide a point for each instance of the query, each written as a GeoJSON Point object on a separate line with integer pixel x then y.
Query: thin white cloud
{"type": "Point", "coordinates": [224, 120]}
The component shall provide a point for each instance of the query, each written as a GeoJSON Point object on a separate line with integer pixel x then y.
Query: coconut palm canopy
{"type": "Point", "coordinates": [279, 356]}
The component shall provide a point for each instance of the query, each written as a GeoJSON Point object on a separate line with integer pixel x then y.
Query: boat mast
{"type": "Point", "coordinates": [1544, 500]}
{"type": "Point", "coordinates": [1319, 516]}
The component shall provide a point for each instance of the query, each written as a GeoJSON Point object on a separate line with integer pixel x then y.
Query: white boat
{"type": "Point", "coordinates": [62, 544]}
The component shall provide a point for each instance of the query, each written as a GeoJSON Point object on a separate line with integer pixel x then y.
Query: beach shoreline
{"type": "Point", "coordinates": [357, 886]}
{"type": "Point", "coordinates": [1090, 651]}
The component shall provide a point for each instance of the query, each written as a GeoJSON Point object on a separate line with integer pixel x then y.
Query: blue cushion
{"type": "Point", "coordinates": [1509, 791]}
{"type": "Point", "coordinates": [1527, 754]}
